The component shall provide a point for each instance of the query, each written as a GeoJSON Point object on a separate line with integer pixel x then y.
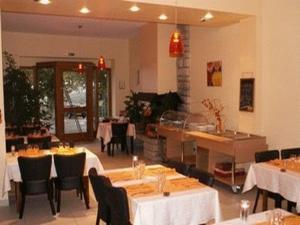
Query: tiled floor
{"type": "Point", "coordinates": [37, 209]}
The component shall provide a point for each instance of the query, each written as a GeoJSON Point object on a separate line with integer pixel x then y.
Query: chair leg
{"type": "Point", "coordinates": [50, 197]}
{"type": "Point", "coordinates": [256, 200]}
{"type": "Point", "coordinates": [22, 205]}
{"type": "Point", "coordinates": [278, 201]}
{"type": "Point", "coordinates": [58, 200]}
{"type": "Point", "coordinates": [83, 190]}
{"type": "Point", "coordinates": [98, 215]}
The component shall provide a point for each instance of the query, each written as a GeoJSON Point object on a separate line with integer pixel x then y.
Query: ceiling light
{"type": "Point", "coordinates": [207, 16]}
{"type": "Point", "coordinates": [134, 8]}
{"type": "Point", "coordinates": [43, 2]}
{"type": "Point", "coordinates": [84, 10]}
{"type": "Point", "coordinates": [163, 17]}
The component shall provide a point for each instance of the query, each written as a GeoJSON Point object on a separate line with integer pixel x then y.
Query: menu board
{"type": "Point", "coordinates": [247, 94]}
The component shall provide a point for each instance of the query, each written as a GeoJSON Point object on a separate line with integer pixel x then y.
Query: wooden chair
{"type": "Point", "coordinates": [69, 169]}
{"type": "Point", "coordinates": [100, 185]}
{"type": "Point", "coordinates": [203, 176]}
{"type": "Point", "coordinates": [265, 156]}
{"type": "Point", "coordinates": [119, 131]}
{"type": "Point", "coordinates": [35, 173]}
{"type": "Point", "coordinates": [180, 167]}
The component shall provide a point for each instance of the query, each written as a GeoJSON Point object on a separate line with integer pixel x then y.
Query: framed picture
{"type": "Point", "coordinates": [214, 74]}
{"type": "Point", "coordinates": [247, 94]}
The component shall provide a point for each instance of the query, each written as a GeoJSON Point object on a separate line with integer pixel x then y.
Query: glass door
{"type": "Point", "coordinates": [74, 102]}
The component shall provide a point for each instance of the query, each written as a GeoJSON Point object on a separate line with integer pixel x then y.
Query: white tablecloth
{"type": "Point", "coordinates": [270, 178]}
{"type": "Point", "coordinates": [191, 207]}
{"type": "Point", "coordinates": [253, 219]}
{"type": "Point", "coordinates": [12, 170]}
{"type": "Point", "coordinates": [104, 131]}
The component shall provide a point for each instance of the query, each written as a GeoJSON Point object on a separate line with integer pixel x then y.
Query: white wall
{"type": "Point", "coordinates": [29, 48]}
{"type": "Point", "coordinates": [212, 45]}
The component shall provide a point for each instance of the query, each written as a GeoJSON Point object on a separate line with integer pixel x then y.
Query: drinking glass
{"type": "Point", "coordinates": [244, 210]}
{"type": "Point", "coordinates": [13, 150]}
{"type": "Point", "coordinates": [28, 147]}
{"type": "Point", "coordinates": [142, 167]}
{"type": "Point", "coordinates": [161, 181]}
{"type": "Point", "coordinates": [36, 148]}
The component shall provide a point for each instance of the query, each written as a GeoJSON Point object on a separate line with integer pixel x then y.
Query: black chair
{"type": "Point", "coordinates": [265, 156]}
{"type": "Point", "coordinates": [69, 169]}
{"type": "Point", "coordinates": [118, 205]}
{"type": "Point", "coordinates": [44, 142]}
{"type": "Point", "coordinates": [180, 167]}
{"type": "Point", "coordinates": [100, 185]}
{"type": "Point", "coordinates": [119, 131]}
{"type": "Point", "coordinates": [287, 153]}
{"type": "Point", "coordinates": [18, 142]}
{"type": "Point", "coordinates": [203, 176]}
{"type": "Point", "coordinates": [35, 173]}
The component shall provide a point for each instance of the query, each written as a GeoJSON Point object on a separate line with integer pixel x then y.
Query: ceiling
{"type": "Point", "coordinates": [118, 10]}
{"type": "Point", "coordinates": [62, 25]}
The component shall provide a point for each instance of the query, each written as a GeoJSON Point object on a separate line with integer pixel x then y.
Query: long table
{"type": "Point", "coordinates": [268, 176]}
{"type": "Point", "coordinates": [193, 206]}
{"type": "Point", "coordinates": [213, 148]}
{"type": "Point", "coordinates": [12, 170]}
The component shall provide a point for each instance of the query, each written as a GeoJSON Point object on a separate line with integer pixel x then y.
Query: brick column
{"type": "Point", "coordinates": [183, 69]}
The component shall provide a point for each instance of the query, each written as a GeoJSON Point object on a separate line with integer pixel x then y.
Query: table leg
{"type": "Point", "coordinates": [265, 200]}
{"type": "Point", "coordinates": [102, 145]}
{"type": "Point", "coordinates": [86, 185]}
{"type": "Point", "coordinates": [108, 146]}
{"type": "Point", "coordinates": [18, 195]}
{"type": "Point", "coordinates": [132, 145]}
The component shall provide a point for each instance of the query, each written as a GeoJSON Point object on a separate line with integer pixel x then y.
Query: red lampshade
{"type": "Point", "coordinates": [176, 45]}
{"type": "Point", "coordinates": [80, 68]}
{"type": "Point", "coordinates": [101, 63]}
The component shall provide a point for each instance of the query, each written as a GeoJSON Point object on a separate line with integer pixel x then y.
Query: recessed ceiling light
{"type": "Point", "coordinates": [207, 16]}
{"type": "Point", "coordinates": [134, 8]}
{"type": "Point", "coordinates": [84, 10]}
{"type": "Point", "coordinates": [163, 17]}
{"type": "Point", "coordinates": [43, 2]}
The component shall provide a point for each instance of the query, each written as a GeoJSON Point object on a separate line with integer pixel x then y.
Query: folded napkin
{"type": "Point", "coordinates": [289, 220]}
{"type": "Point", "coordinates": [65, 151]}
{"type": "Point", "coordinates": [154, 171]}
{"type": "Point", "coordinates": [141, 190]}
{"type": "Point", "coordinates": [31, 153]}
{"type": "Point", "coordinates": [120, 175]}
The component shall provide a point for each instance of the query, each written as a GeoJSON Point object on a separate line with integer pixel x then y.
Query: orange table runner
{"type": "Point", "coordinates": [31, 153]}
{"type": "Point", "coordinates": [289, 220]}
{"type": "Point", "coordinates": [149, 171]}
{"type": "Point", "coordinates": [290, 165]}
{"type": "Point", "coordinates": [174, 185]}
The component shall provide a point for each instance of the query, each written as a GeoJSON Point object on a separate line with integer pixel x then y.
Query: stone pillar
{"type": "Point", "coordinates": [183, 69]}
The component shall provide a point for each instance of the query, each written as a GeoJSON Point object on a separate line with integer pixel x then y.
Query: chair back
{"type": "Point", "coordinates": [18, 142]}
{"type": "Point", "coordinates": [265, 156]}
{"type": "Point", "coordinates": [180, 167]}
{"type": "Point", "coordinates": [69, 165]}
{"type": "Point", "coordinates": [118, 204]}
{"type": "Point", "coordinates": [44, 142]}
{"type": "Point", "coordinates": [287, 153]}
{"type": "Point", "coordinates": [100, 186]}
{"type": "Point", "coordinates": [31, 129]}
{"type": "Point", "coordinates": [119, 129]}
{"type": "Point", "coordinates": [203, 176]}
{"type": "Point", "coordinates": [35, 173]}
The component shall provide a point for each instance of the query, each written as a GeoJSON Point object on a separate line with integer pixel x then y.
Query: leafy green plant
{"type": "Point", "coordinates": [21, 100]}
{"type": "Point", "coordinates": [134, 110]}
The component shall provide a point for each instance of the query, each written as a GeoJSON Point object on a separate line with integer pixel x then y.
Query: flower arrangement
{"type": "Point", "coordinates": [215, 108]}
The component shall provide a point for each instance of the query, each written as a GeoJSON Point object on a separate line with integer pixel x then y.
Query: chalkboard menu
{"type": "Point", "coordinates": [247, 94]}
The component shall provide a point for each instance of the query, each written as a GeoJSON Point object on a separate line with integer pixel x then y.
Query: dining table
{"type": "Point", "coordinates": [12, 170]}
{"type": "Point", "coordinates": [262, 218]}
{"type": "Point", "coordinates": [54, 139]}
{"type": "Point", "coordinates": [104, 134]}
{"type": "Point", "coordinates": [184, 200]}
{"type": "Point", "coordinates": [277, 176]}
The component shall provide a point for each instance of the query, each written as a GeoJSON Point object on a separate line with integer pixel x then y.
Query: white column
{"type": "Point", "coordinates": [3, 199]}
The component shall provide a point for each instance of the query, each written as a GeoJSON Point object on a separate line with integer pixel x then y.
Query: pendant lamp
{"type": "Point", "coordinates": [176, 45]}
{"type": "Point", "coordinates": [101, 63]}
{"type": "Point", "coordinates": [80, 68]}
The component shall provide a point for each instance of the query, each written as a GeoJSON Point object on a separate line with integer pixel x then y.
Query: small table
{"type": "Point", "coordinates": [12, 171]}
{"type": "Point", "coordinates": [196, 205]}
{"type": "Point", "coordinates": [104, 133]}
{"type": "Point", "coordinates": [269, 177]}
